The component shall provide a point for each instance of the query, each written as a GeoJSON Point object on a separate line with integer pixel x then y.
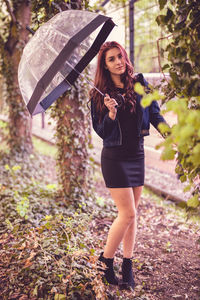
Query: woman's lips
{"type": "Point", "coordinates": [119, 68]}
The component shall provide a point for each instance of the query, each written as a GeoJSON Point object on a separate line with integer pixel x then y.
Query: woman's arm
{"type": "Point", "coordinates": [106, 126]}
{"type": "Point", "coordinates": [155, 117]}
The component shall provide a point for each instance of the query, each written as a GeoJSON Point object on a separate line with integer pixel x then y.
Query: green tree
{"type": "Point", "coordinates": [14, 17]}
{"type": "Point", "coordinates": [182, 21]}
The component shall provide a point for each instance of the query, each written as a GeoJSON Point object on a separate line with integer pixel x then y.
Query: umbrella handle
{"type": "Point", "coordinates": [118, 97]}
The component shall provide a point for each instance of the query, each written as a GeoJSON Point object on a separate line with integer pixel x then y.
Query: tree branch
{"type": "Point", "coordinates": [159, 61]}
{"type": "Point", "coordinates": [10, 11]}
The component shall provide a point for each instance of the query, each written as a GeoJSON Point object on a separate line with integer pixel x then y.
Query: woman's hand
{"type": "Point", "coordinates": [111, 104]}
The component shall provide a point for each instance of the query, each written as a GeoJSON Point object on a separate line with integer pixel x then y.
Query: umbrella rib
{"type": "Point", "coordinates": [53, 50]}
{"type": "Point", "coordinates": [60, 32]}
{"type": "Point", "coordinates": [84, 47]}
{"type": "Point", "coordinates": [73, 68]}
{"type": "Point", "coordinates": [57, 30]}
{"type": "Point", "coordinates": [28, 65]}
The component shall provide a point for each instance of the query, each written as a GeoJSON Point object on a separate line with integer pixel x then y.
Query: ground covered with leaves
{"type": "Point", "coordinates": [50, 251]}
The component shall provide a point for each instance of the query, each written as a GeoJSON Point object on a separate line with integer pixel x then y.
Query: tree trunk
{"type": "Point", "coordinates": [19, 120]}
{"type": "Point", "coordinates": [73, 138]}
{"type": "Point", "coordinates": [72, 132]}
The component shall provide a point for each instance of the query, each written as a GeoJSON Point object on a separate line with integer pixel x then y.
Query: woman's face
{"type": "Point", "coordinates": [115, 62]}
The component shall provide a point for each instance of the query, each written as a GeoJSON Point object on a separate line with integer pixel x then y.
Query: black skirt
{"type": "Point", "coordinates": [123, 167]}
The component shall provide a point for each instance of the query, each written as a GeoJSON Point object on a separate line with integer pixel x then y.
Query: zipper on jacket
{"type": "Point", "coordinates": [140, 116]}
{"type": "Point", "coordinates": [120, 131]}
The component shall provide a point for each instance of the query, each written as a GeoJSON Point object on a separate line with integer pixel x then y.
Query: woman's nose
{"type": "Point", "coordinates": [118, 60]}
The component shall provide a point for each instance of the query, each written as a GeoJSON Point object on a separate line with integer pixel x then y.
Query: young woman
{"type": "Point", "coordinates": [122, 128]}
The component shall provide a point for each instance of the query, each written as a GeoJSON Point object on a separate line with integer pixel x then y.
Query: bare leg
{"type": "Point", "coordinates": [137, 194]}
{"type": "Point", "coordinates": [124, 200]}
{"type": "Point", "coordinates": [130, 235]}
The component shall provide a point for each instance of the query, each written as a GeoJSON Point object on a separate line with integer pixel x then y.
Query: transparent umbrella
{"type": "Point", "coordinates": [57, 54]}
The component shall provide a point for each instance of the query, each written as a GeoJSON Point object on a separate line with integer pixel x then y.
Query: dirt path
{"type": "Point", "coordinates": [167, 252]}
{"type": "Point", "coordinates": [166, 260]}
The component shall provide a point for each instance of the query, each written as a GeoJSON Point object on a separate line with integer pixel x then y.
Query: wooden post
{"type": "Point", "coordinates": [131, 32]}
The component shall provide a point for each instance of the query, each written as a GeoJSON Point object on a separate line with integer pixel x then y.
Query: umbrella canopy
{"type": "Point", "coordinates": [57, 53]}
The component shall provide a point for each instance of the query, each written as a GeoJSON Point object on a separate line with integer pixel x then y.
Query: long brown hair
{"type": "Point", "coordinates": [104, 82]}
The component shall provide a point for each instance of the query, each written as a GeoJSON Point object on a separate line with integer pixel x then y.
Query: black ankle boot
{"type": "Point", "coordinates": [109, 271]}
{"type": "Point", "coordinates": [127, 274]}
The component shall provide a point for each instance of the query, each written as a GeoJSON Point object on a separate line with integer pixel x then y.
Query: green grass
{"type": "Point", "coordinates": [44, 148]}
{"type": "Point", "coordinates": [40, 146]}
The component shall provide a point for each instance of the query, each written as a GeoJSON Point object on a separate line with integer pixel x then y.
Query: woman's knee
{"type": "Point", "coordinates": [132, 216]}
{"type": "Point", "coordinates": [128, 217]}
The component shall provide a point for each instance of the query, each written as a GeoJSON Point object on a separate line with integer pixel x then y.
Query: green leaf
{"type": "Point", "coordinates": [194, 118]}
{"type": "Point", "coordinates": [35, 291]}
{"type": "Point", "coordinates": [100, 201]}
{"type": "Point", "coordinates": [196, 150]}
{"type": "Point", "coordinates": [187, 188]}
{"type": "Point", "coordinates": [81, 245]}
{"type": "Point", "coordinates": [168, 153]}
{"type": "Point", "coordinates": [60, 276]}
{"type": "Point", "coordinates": [163, 127]}
{"type": "Point", "coordinates": [139, 89]}
{"type": "Point", "coordinates": [3, 124]}
{"type": "Point", "coordinates": [193, 201]}
{"type": "Point", "coordinates": [51, 186]}
{"type": "Point", "coordinates": [147, 100]}
{"type": "Point", "coordinates": [59, 297]}
{"type": "Point", "coordinates": [15, 168]}
{"type": "Point", "coordinates": [166, 66]}
{"type": "Point", "coordinates": [162, 3]}
{"type": "Point", "coordinates": [183, 178]}
{"type": "Point", "coordinates": [48, 217]}
{"type": "Point", "coordinates": [194, 159]}
{"type": "Point", "coordinates": [92, 251]}
{"type": "Point", "coordinates": [23, 207]}
{"type": "Point", "coordinates": [7, 167]}
{"type": "Point", "coordinates": [48, 225]}
{"type": "Point", "coordinates": [186, 132]}
{"type": "Point", "coordinates": [182, 204]}
{"type": "Point", "coordinates": [9, 224]}
{"type": "Point", "coordinates": [161, 20]}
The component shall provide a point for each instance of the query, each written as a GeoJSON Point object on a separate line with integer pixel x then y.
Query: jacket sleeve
{"type": "Point", "coordinates": [155, 117]}
{"type": "Point", "coordinates": [106, 127]}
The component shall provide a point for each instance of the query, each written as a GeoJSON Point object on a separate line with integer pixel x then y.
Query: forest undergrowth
{"type": "Point", "coordinates": [50, 251]}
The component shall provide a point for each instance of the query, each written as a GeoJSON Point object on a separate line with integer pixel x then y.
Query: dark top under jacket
{"type": "Point", "coordinates": [130, 139]}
